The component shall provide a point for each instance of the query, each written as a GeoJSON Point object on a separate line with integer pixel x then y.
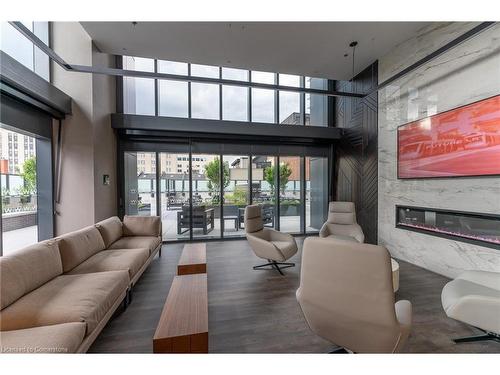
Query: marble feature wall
{"type": "Point", "coordinates": [465, 74]}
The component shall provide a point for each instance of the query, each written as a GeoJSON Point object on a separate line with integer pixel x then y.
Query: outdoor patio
{"type": "Point", "coordinates": [17, 239]}
{"type": "Point", "coordinates": [289, 224]}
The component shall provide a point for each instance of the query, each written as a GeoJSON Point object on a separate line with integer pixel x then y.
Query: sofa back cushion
{"type": "Point", "coordinates": [110, 229]}
{"type": "Point", "coordinates": [27, 269]}
{"type": "Point", "coordinates": [141, 226]}
{"type": "Point", "coordinates": [75, 247]}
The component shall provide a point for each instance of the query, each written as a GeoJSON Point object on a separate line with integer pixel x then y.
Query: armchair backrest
{"type": "Point", "coordinates": [343, 213]}
{"type": "Point", "coordinates": [347, 296]}
{"type": "Point", "coordinates": [253, 218]}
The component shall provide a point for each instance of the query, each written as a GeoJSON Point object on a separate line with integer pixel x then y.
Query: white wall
{"type": "Point", "coordinates": [104, 140]}
{"type": "Point", "coordinates": [88, 142]}
{"type": "Point", "coordinates": [465, 74]}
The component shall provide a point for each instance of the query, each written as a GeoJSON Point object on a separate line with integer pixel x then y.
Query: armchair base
{"type": "Point", "coordinates": [339, 350]}
{"type": "Point", "coordinates": [278, 266]}
{"type": "Point", "coordinates": [484, 337]}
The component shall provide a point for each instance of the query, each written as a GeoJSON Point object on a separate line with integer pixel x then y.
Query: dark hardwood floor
{"type": "Point", "coordinates": [256, 311]}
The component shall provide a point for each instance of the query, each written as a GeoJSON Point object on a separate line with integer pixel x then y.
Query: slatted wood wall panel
{"type": "Point", "coordinates": [356, 171]}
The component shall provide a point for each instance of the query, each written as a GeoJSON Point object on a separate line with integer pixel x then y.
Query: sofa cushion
{"type": "Point", "coordinates": [135, 242]}
{"type": "Point", "coordinates": [75, 247]}
{"type": "Point", "coordinates": [130, 260]}
{"type": "Point", "coordinates": [141, 226]}
{"type": "Point", "coordinates": [110, 229]}
{"type": "Point", "coordinates": [27, 269]}
{"type": "Point", "coordinates": [57, 338]}
{"type": "Point", "coordinates": [67, 298]}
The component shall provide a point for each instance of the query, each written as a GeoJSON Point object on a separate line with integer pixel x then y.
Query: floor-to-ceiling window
{"type": "Point", "coordinates": [206, 185]}
{"type": "Point", "coordinates": [204, 189]}
{"type": "Point", "coordinates": [174, 197]}
{"type": "Point", "coordinates": [236, 193]}
{"type": "Point", "coordinates": [23, 50]}
{"type": "Point", "coordinates": [316, 192]}
{"type": "Point", "coordinates": [19, 190]}
{"type": "Point", "coordinates": [26, 164]}
{"type": "Point", "coordinates": [264, 178]}
{"type": "Point", "coordinates": [289, 188]}
{"type": "Point", "coordinates": [140, 183]}
{"type": "Point", "coordinates": [203, 194]}
{"type": "Point", "coordinates": [212, 101]}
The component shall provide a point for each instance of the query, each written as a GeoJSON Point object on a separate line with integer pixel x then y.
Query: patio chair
{"type": "Point", "coordinates": [231, 213]}
{"type": "Point", "coordinates": [203, 218]}
{"type": "Point", "coordinates": [267, 216]}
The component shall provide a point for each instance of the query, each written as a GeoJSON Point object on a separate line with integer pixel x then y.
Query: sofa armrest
{"type": "Point", "coordinates": [324, 232]}
{"type": "Point", "coordinates": [142, 226]}
{"type": "Point", "coordinates": [357, 233]}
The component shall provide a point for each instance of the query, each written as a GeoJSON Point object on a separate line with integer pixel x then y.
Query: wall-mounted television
{"type": "Point", "coordinates": [461, 142]}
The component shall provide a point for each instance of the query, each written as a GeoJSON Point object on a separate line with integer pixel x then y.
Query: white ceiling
{"type": "Point", "coordinates": [306, 48]}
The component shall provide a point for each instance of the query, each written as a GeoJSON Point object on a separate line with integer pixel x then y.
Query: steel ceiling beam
{"type": "Point", "coordinates": [174, 77]}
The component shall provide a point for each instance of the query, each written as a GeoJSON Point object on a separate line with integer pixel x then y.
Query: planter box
{"type": "Point", "coordinates": [18, 220]}
{"type": "Point", "coordinates": [290, 210]}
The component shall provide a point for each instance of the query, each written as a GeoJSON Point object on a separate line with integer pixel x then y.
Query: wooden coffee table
{"type": "Point", "coordinates": [183, 325]}
{"type": "Point", "coordinates": [193, 259]}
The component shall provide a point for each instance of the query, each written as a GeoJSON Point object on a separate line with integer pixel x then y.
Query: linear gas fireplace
{"type": "Point", "coordinates": [475, 228]}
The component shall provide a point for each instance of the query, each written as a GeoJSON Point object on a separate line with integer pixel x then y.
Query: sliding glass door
{"type": "Point", "coordinates": [264, 182]}
{"type": "Point", "coordinates": [18, 190]}
{"type": "Point", "coordinates": [316, 192]}
{"type": "Point", "coordinates": [174, 195]}
{"type": "Point", "coordinates": [289, 186]}
{"type": "Point", "coordinates": [206, 185]}
{"type": "Point", "coordinates": [236, 193]}
{"type": "Point", "coordinates": [203, 194]}
{"type": "Point", "coordinates": [26, 183]}
{"type": "Point", "coordinates": [140, 183]}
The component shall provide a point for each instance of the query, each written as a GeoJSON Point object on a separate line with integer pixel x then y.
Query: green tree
{"type": "Point", "coordinates": [29, 175]}
{"type": "Point", "coordinates": [284, 173]}
{"type": "Point", "coordinates": [212, 173]}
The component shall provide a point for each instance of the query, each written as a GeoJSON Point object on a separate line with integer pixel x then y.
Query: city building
{"type": "Point", "coordinates": [15, 149]}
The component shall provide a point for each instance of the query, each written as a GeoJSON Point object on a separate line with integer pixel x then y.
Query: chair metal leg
{"type": "Point", "coordinates": [278, 266]}
{"type": "Point", "coordinates": [339, 350]}
{"type": "Point", "coordinates": [486, 336]}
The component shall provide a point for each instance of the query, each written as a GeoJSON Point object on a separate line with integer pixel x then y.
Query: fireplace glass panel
{"type": "Point", "coordinates": [470, 227]}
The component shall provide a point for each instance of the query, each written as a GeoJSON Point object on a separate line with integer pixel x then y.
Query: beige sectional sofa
{"type": "Point", "coordinates": [57, 295]}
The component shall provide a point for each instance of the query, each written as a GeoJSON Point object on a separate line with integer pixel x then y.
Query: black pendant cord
{"type": "Point", "coordinates": [353, 52]}
{"type": "Point", "coordinates": [353, 46]}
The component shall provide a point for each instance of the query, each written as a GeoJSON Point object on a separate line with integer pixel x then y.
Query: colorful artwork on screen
{"type": "Point", "coordinates": [461, 142]}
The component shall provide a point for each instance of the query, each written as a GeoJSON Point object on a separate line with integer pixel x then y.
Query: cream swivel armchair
{"type": "Point", "coordinates": [474, 298]}
{"type": "Point", "coordinates": [268, 243]}
{"type": "Point", "coordinates": [341, 223]}
{"type": "Point", "coordinates": [347, 297]}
